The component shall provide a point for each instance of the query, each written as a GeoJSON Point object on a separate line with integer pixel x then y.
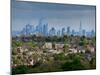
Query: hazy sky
{"type": "Point", "coordinates": [56, 15]}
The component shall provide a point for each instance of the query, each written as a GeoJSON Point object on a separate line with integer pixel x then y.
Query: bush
{"type": "Point", "coordinates": [19, 70]}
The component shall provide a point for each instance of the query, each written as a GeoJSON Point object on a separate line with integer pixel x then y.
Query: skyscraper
{"type": "Point", "coordinates": [92, 33]}
{"type": "Point", "coordinates": [40, 26]}
{"type": "Point", "coordinates": [23, 32]}
{"type": "Point", "coordinates": [45, 29]}
{"type": "Point", "coordinates": [68, 30]}
{"type": "Point", "coordinates": [28, 29]}
{"type": "Point", "coordinates": [58, 33]}
{"type": "Point", "coordinates": [73, 32]}
{"type": "Point", "coordinates": [83, 32]}
{"type": "Point", "coordinates": [52, 32]}
{"type": "Point", "coordinates": [80, 29]}
{"type": "Point", "coordinates": [63, 31]}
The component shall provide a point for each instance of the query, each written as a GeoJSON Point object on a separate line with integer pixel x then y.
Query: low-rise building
{"type": "Point", "coordinates": [47, 45]}
{"type": "Point", "coordinates": [59, 46]}
{"type": "Point", "coordinates": [72, 50]}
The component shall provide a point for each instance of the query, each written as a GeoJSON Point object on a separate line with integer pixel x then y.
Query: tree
{"type": "Point", "coordinates": [19, 70]}
{"type": "Point", "coordinates": [75, 62]}
{"type": "Point", "coordinates": [66, 48]}
{"type": "Point", "coordinates": [93, 63]}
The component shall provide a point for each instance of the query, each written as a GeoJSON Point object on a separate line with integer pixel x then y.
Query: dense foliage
{"type": "Point", "coordinates": [56, 62]}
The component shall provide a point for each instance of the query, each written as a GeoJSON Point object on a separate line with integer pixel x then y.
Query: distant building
{"type": "Point", "coordinates": [52, 32]}
{"type": "Point", "coordinates": [28, 29]}
{"type": "Point", "coordinates": [73, 32]}
{"type": "Point", "coordinates": [92, 33]}
{"type": "Point", "coordinates": [63, 31]}
{"type": "Point", "coordinates": [58, 33]}
{"type": "Point", "coordinates": [45, 29]}
{"type": "Point", "coordinates": [83, 32]}
{"type": "Point", "coordinates": [23, 32]}
{"type": "Point", "coordinates": [80, 29]}
{"type": "Point", "coordinates": [59, 46]}
{"type": "Point", "coordinates": [40, 27]}
{"type": "Point", "coordinates": [72, 50]}
{"type": "Point", "coordinates": [68, 30]}
{"type": "Point", "coordinates": [47, 45]}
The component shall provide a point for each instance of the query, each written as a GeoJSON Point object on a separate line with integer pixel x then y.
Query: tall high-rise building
{"type": "Point", "coordinates": [68, 30]}
{"type": "Point", "coordinates": [63, 31]}
{"type": "Point", "coordinates": [83, 32]}
{"type": "Point", "coordinates": [80, 29]}
{"type": "Point", "coordinates": [40, 26]}
{"type": "Point", "coordinates": [45, 29]}
{"type": "Point", "coordinates": [52, 32]}
{"type": "Point", "coordinates": [92, 33]}
{"type": "Point", "coordinates": [28, 29]}
{"type": "Point", "coordinates": [23, 32]}
{"type": "Point", "coordinates": [73, 32]}
{"type": "Point", "coordinates": [58, 33]}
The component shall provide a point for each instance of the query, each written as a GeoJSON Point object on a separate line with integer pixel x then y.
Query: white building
{"type": "Point", "coordinates": [59, 46]}
{"type": "Point", "coordinates": [47, 45]}
{"type": "Point", "coordinates": [72, 50]}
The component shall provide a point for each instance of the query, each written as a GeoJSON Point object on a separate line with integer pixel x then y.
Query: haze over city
{"type": "Point", "coordinates": [58, 16]}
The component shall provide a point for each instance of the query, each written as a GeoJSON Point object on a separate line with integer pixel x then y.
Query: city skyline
{"type": "Point", "coordinates": [58, 15]}
{"type": "Point", "coordinates": [44, 30]}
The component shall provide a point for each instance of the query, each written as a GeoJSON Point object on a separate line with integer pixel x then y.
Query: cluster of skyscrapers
{"type": "Point", "coordinates": [44, 30]}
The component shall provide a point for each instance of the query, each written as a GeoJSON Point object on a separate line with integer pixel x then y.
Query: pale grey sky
{"type": "Point", "coordinates": [56, 15]}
